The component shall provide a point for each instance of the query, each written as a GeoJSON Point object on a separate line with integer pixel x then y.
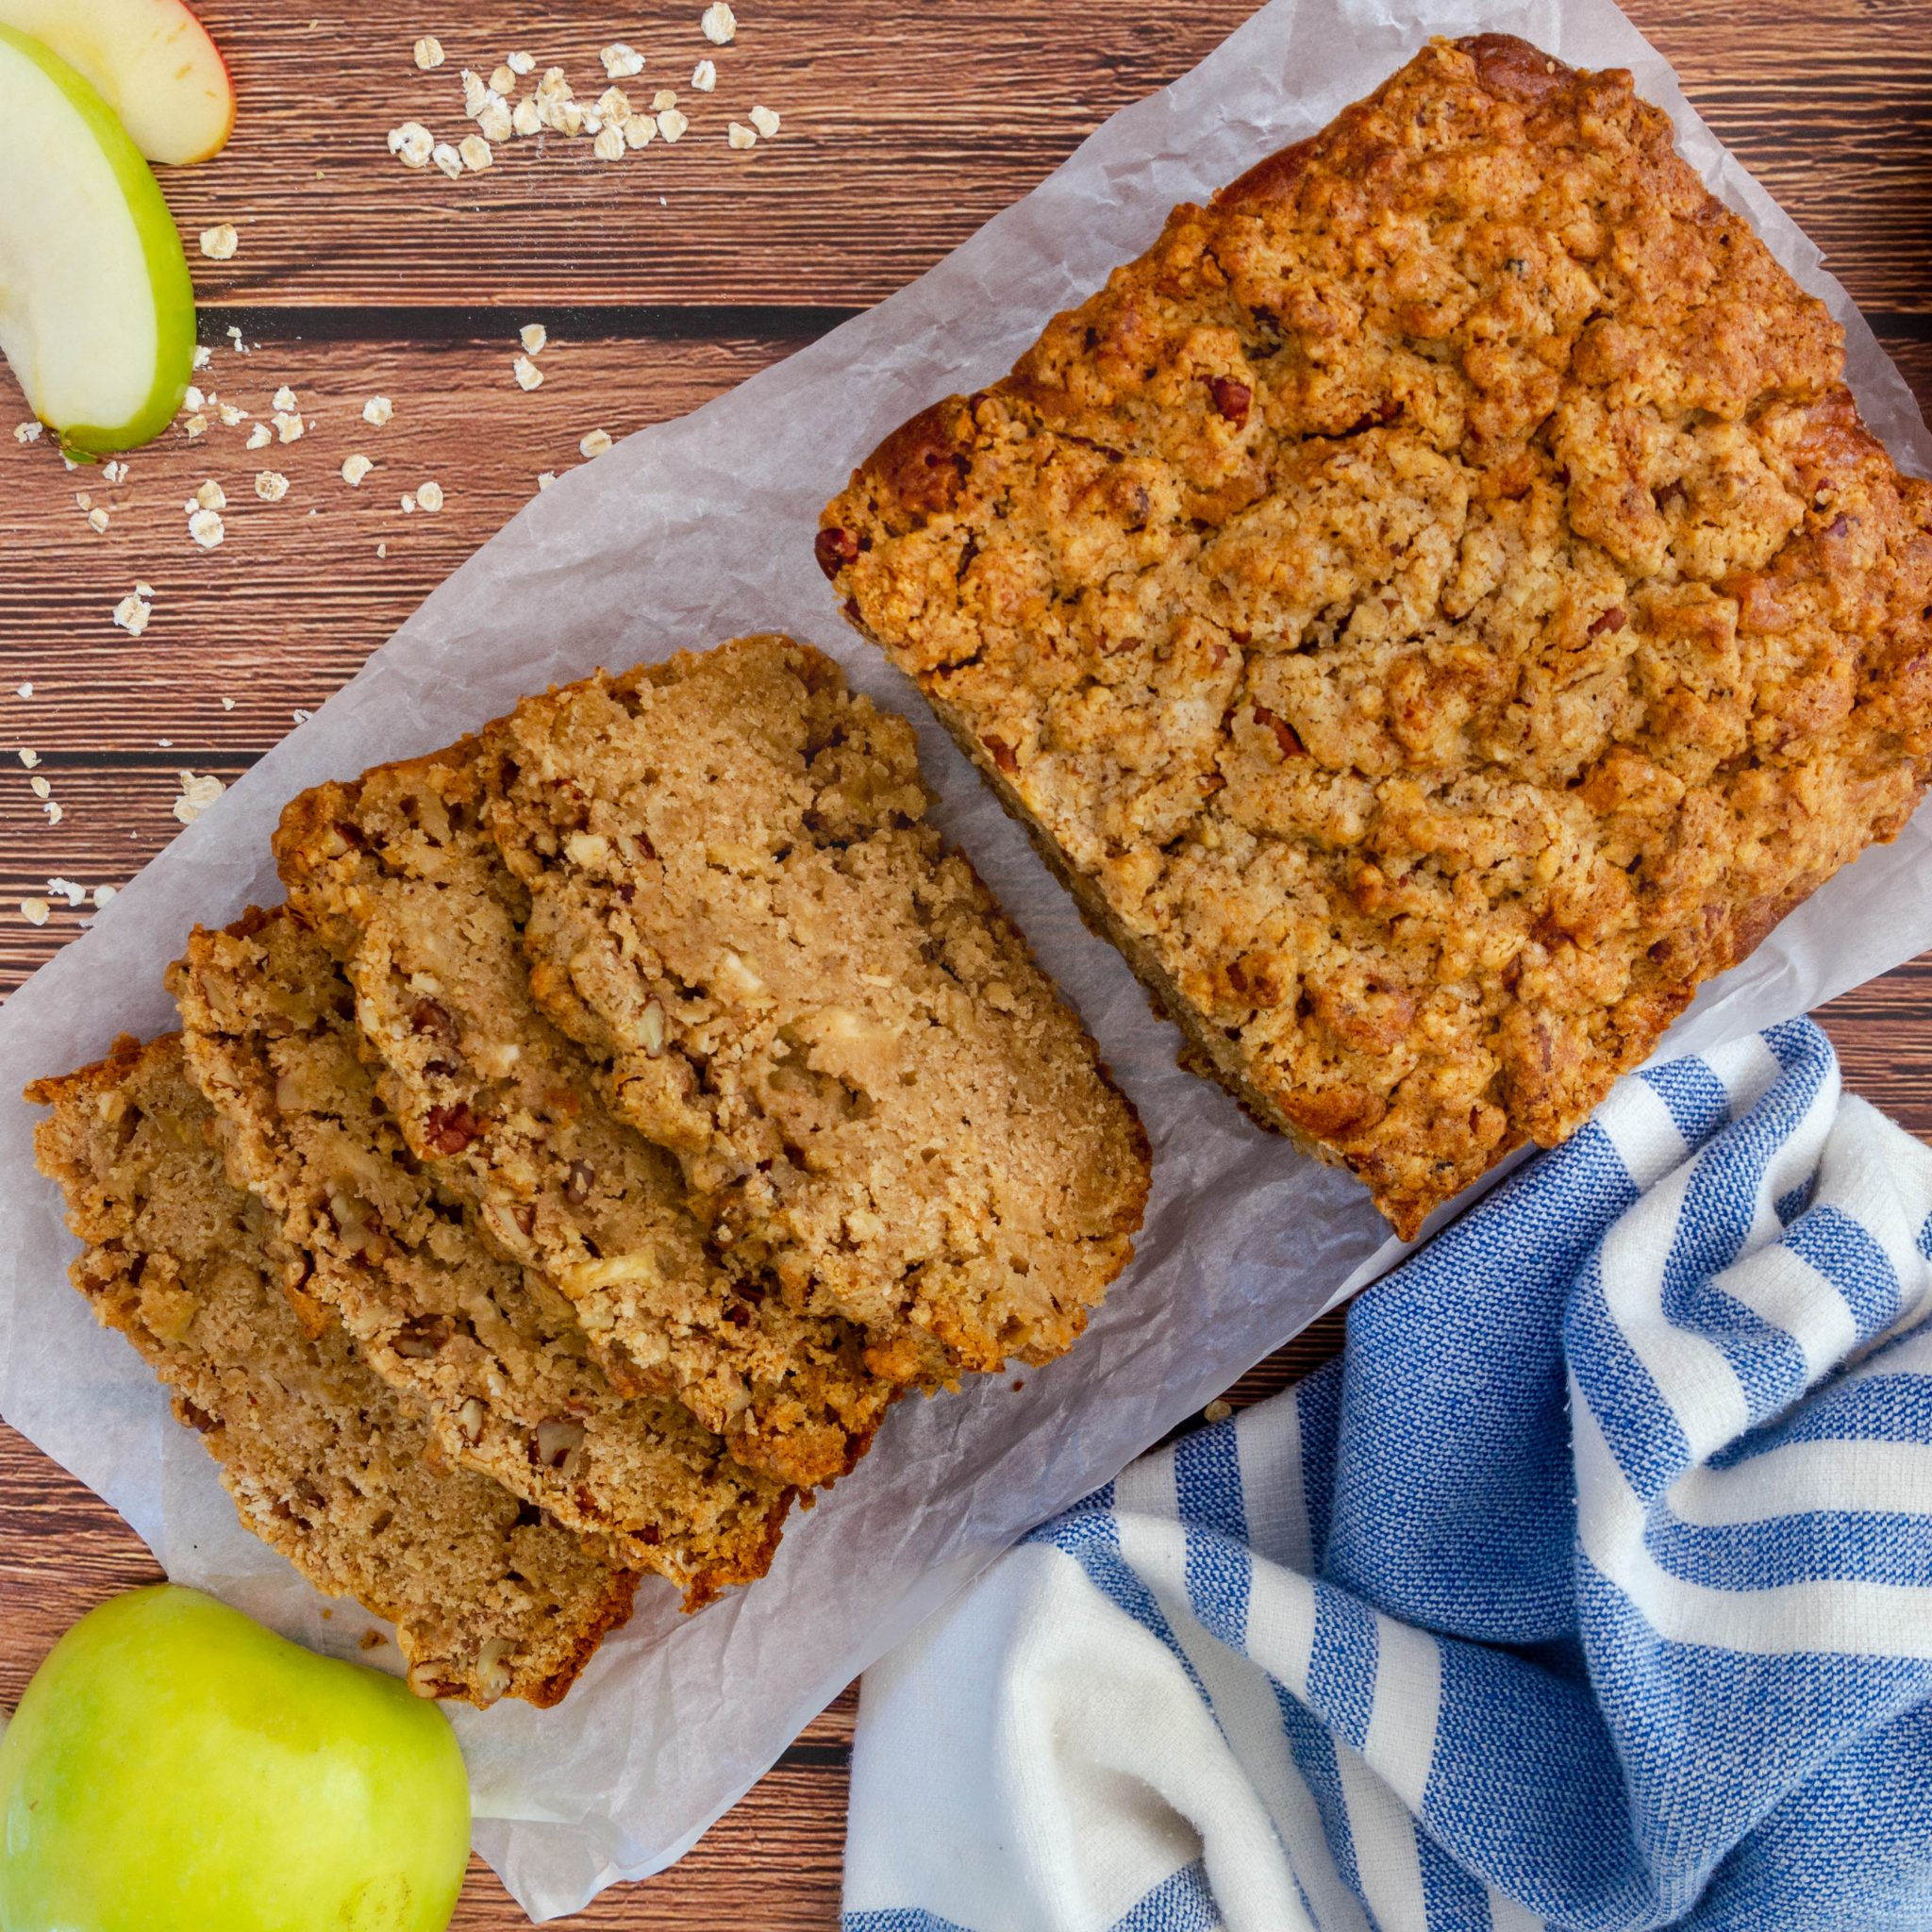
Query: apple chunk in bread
{"type": "Point", "coordinates": [96, 306]}
{"type": "Point", "coordinates": [150, 60]}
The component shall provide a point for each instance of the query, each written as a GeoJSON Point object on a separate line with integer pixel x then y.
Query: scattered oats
{"type": "Point", "coordinates": [227, 704]}
{"type": "Point", "coordinates": [97, 521]}
{"type": "Point", "coordinates": [210, 496]}
{"type": "Point", "coordinates": [533, 336]}
{"type": "Point", "coordinates": [429, 52]}
{"type": "Point", "coordinates": [194, 399]}
{"type": "Point", "coordinates": [664, 97]}
{"type": "Point", "coordinates": [271, 486]}
{"type": "Point", "coordinates": [82, 500]}
{"type": "Point", "coordinates": [165, 743]}
{"type": "Point", "coordinates": [197, 794]}
{"type": "Point", "coordinates": [555, 84]}
{"type": "Point", "coordinates": [520, 63]}
{"type": "Point", "coordinates": [765, 121]}
{"type": "Point", "coordinates": [526, 117]}
{"type": "Point", "coordinates": [35, 911]}
{"type": "Point", "coordinates": [496, 122]}
{"type": "Point", "coordinates": [66, 889]}
{"type": "Point", "coordinates": [475, 153]}
{"type": "Point", "coordinates": [27, 432]}
{"type": "Point", "coordinates": [195, 425]}
{"type": "Point", "coordinates": [568, 118]}
{"type": "Point", "coordinates": [592, 120]}
{"type": "Point", "coordinates": [703, 76]}
{"type": "Point", "coordinates": [596, 443]}
{"type": "Point", "coordinates": [105, 895]}
{"type": "Point", "coordinates": [447, 159]}
{"type": "Point", "coordinates": [719, 23]}
{"type": "Point", "coordinates": [608, 146]}
{"type": "Point", "coordinates": [671, 123]}
{"type": "Point", "coordinates": [382, 550]}
{"type": "Point", "coordinates": [621, 61]}
{"type": "Point", "coordinates": [132, 615]}
{"type": "Point", "coordinates": [24, 691]}
{"type": "Point", "coordinates": [259, 437]}
{"type": "Point", "coordinates": [409, 503]}
{"type": "Point", "coordinates": [203, 355]}
{"type": "Point", "coordinates": [429, 496]}
{"type": "Point", "coordinates": [287, 428]}
{"type": "Point", "coordinates": [476, 92]}
{"type": "Point", "coordinates": [741, 136]}
{"type": "Point", "coordinates": [40, 787]}
{"type": "Point", "coordinates": [503, 81]}
{"type": "Point", "coordinates": [284, 398]}
{"type": "Point", "coordinates": [233, 332]}
{"type": "Point", "coordinates": [354, 469]}
{"type": "Point", "coordinates": [219, 242]}
{"type": "Point", "coordinates": [1217, 1411]}
{"type": "Point", "coordinates": [527, 374]}
{"type": "Point", "coordinates": [143, 589]}
{"type": "Point", "coordinates": [114, 473]}
{"type": "Point", "coordinates": [545, 478]}
{"type": "Point", "coordinates": [29, 757]}
{"type": "Point", "coordinates": [302, 717]}
{"type": "Point", "coordinates": [377, 410]}
{"type": "Point", "coordinates": [639, 130]}
{"type": "Point", "coordinates": [54, 812]}
{"type": "Point", "coordinates": [411, 144]}
{"type": "Point", "coordinates": [206, 528]}
{"type": "Point", "coordinates": [231, 417]}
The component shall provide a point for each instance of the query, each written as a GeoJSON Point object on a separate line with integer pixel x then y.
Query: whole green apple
{"type": "Point", "coordinates": [174, 1767]}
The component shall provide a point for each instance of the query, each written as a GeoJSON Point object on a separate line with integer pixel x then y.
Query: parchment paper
{"type": "Point", "coordinates": [693, 532]}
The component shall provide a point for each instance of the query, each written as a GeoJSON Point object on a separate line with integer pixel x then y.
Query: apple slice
{"type": "Point", "coordinates": [152, 62]}
{"type": "Point", "coordinates": [96, 306]}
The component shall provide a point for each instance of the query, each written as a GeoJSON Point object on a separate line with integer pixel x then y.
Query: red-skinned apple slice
{"type": "Point", "coordinates": [150, 60]}
{"type": "Point", "coordinates": [96, 305]}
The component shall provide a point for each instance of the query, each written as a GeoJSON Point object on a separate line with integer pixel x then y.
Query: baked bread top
{"type": "Point", "coordinates": [1435, 607]}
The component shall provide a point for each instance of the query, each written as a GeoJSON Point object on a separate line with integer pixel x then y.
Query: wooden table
{"type": "Point", "coordinates": [662, 281]}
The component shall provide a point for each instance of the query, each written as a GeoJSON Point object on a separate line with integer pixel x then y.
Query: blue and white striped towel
{"type": "Point", "coordinates": [1592, 1590]}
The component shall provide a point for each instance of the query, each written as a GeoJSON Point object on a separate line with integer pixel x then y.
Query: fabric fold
{"type": "Point", "coordinates": [1592, 1589]}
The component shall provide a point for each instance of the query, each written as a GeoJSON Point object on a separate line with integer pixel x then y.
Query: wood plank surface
{"type": "Point", "coordinates": [905, 129]}
{"type": "Point", "coordinates": [664, 278]}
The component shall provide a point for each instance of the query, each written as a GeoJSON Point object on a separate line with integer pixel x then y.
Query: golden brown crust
{"type": "Point", "coordinates": [1438, 605]}
{"type": "Point", "coordinates": [489, 1598]}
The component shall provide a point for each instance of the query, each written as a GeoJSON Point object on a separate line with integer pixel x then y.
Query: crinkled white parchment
{"type": "Point", "coordinates": [693, 532]}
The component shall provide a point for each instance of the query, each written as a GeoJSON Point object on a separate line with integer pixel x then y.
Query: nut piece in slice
{"type": "Point", "coordinates": [492, 1355]}
{"type": "Point", "coordinates": [489, 1598]}
{"type": "Point", "coordinates": [1435, 609]}
{"type": "Point", "coordinates": [738, 908]}
{"type": "Point", "coordinates": [398, 876]}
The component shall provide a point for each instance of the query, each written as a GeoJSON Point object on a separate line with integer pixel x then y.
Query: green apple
{"type": "Point", "coordinates": [174, 1767]}
{"type": "Point", "coordinates": [96, 306]}
{"type": "Point", "coordinates": [150, 60]}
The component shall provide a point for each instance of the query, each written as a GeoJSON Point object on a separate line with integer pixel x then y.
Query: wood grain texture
{"type": "Point", "coordinates": [664, 279]}
{"type": "Point", "coordinates": [905, 129]}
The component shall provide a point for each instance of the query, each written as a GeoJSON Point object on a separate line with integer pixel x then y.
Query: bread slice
{"type": "Point", "coordinates": [488, 1352]}
{"type": "Point", "coordinates": [325, 1464]}
{"type": "Point", "coordinates": [1435, 609]}
{"type": "Point", "coordinates": [397, 875]}
{"type": "Point", "coordinates": [739, 909]}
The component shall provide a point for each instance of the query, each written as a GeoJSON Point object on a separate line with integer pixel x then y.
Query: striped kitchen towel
{"type": "Point", "coordinates": [1592, 1588]}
